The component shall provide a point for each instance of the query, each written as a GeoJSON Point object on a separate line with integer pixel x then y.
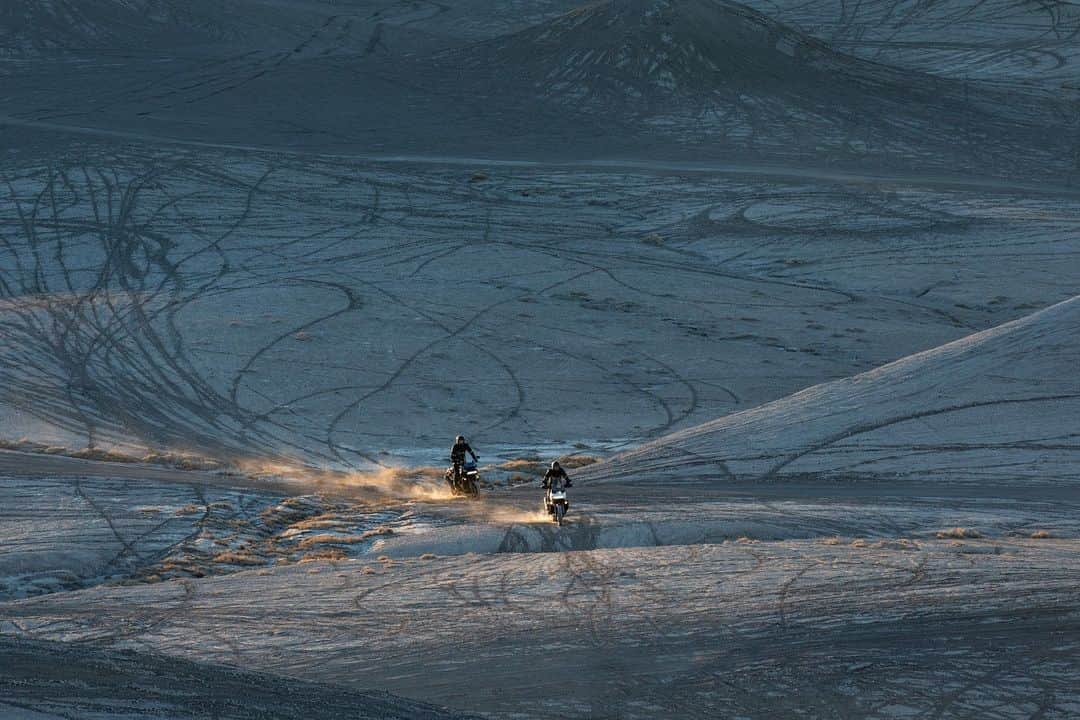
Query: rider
{"type": "Point", "coordinates": [556, 478]}
{"type": "Point", "coordinates": [457, 454]}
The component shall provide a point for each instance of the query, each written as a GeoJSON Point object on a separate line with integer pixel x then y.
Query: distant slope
{"type": "Point", "coordinates": [50, 25]}
{"type": "Point", "coordinates": [637, 47]}
{"type": "Point", "coordinates": [1005, 41]}
{"type": "Point", "coordinates": [671, 79]}
{"type": "Point", "coordinates": [996, 407]}
{"type": "Point", "coordinates": [719, 73]}
{"type": "Point", "coordinates": [35, 28]}
{"type": "Point", "coordinates": [31, 28]}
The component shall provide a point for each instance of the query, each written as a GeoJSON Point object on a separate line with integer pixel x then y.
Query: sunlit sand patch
{"type": "Point", "coordinates": [509, 516]}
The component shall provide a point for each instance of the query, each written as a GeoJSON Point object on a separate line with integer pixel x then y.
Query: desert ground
{"type": "Point", "coordinates": [790, 288]}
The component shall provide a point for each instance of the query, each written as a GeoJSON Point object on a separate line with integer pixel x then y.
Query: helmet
{"type": "Point", "coordinates": [554, 464]}
{"type": "Point", "coordinates": [460, 439]}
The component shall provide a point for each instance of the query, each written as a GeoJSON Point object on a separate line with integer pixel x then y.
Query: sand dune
{"type": "Point", "coordinates": [997, 406]}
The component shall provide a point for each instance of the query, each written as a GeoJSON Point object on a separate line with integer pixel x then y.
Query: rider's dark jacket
{"type": "Point", "coordinates": [553, 474]}
{"type": "Point", "coordinates": [457, 453]}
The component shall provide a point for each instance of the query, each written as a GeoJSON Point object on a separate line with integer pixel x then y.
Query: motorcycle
{"type": "Point", "coordinates": [466, 481]}
{"type": "Point", "coordinates": [556, 504]}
